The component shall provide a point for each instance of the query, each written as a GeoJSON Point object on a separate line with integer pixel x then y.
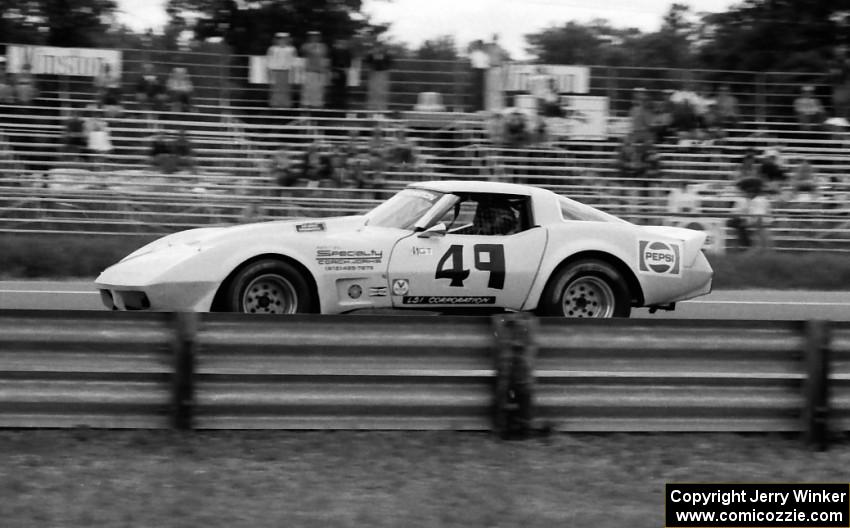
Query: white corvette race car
{"type": "Point", "coordinates": [439, 246]}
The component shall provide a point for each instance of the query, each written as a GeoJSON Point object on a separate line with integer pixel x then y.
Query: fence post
{"type": "Point", "coordinates": [816, 386]}
{"type": "Point", "coordinates": [459, 86]}
{"type": "Point", "coordinates": [761, 97]}
{"type": "Point", "coordinates": [183, 387]}
{"type": "Point", "coordinates": [515, 352]}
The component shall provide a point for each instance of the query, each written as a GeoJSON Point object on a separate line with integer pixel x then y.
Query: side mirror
{"type": "Point", "coordinates": [436, 230]}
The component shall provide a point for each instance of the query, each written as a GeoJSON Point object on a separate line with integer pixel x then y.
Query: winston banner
{"type": "Point", "coordinates": [49, 60]}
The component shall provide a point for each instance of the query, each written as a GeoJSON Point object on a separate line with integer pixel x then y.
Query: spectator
{"type": "Point", "coordinates": [358, 51]}
{"type": "Point", "coordinates": [6, 150]}
{"type": "Point", "coordinates": [171, 153]}
{"type": "Point", "coordinates": [379, 61]}
{"type": "Point", "coordinates": [180, 90]}
{"type": "Point", "coordinates": [358, 166]}
{"type": "Point", "coordinates": [26, 90]}
{"type": "Point", "coordinates": [751, 217]}
{"type": "Point", "coordinates": [377, 145]}
{"type": "Point", "coordinates": [495, 85]}
{"type": "Point", "coordinates": [75, 137]}
{"type": "Point", "coordinates": [496, 128]}
{"type": "Point", "coordinates": [99, 137]}
{"type": "Point", "coordinates": [479, 61]}
{"type": "Point", "coordinates": [638, 160]}
{"type": "Point", "coordinates": [517, 133]}
{"type": "Point", "coordinates": [316, 164]}
{"type": "Point", "coordinates": [629, 158]}
{"type": "Point", "coordinates": [402, 151]}
{"type": "Point", "coordinates": [150, 93]}
{"type": "Point", "coordinates": [107, 87]}
{"type": "Point", "coordinates": [251, 213]}
{"type": "Point", "coordinates": [641, 116]}
{"type": "Point", "coordinates": [688, 112]}
{"type": "Point", "coordinates": [281, 171]}
{"type": "Point", "coordinates": [161, 153]}
{"type": "Point", "coordinates": [805, 183]}
{"type": "Point", "coordinates": [727, 108]}
{"type": "Point", "coordinates": [338, 171]}
{"type": "Point", "coordinates": [749, 167]}
{"type": "Point", "coordinates": [183, 151]}
{"type": "Point", "coordinates": [544, 88]}
{"type": "Point", "coordinates": [340, 64]}
{"type": "Point", "coordinates": [763, 138]}
{"type": "Point", "coordinates": [771, 171]}
{"type": "Point", "coordinates": [377, 153]}
{"type": "Point", "coordinates": [281, 58]}
{"type": "Point", "coordinates": [315, 54]}
{"type": "Point", "coordinates": [662, 120]}
{"type": "Point", "coordinates": [684, 199]}
{"type": "Point", "coordinates": [839, 73]}
{"type": "Point", "coordinates": [838, 129]}
{"type": "Point", "coordinates": [8, 161]}
{"type": "Point", "coordinates": [352, 146]}
{"type": "Point", "coordinates": [7, 90]}
{"type": "Point", "coordinates": [809, 111]}
{"type": "Point", "coordinates": [712, 124]}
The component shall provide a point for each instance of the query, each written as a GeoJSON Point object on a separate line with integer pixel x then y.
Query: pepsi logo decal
{"type": "Point", "coordinates": [659, 258]}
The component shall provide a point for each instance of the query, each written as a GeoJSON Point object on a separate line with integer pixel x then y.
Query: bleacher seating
{"type": "Point", "coordinates": [43, 189]}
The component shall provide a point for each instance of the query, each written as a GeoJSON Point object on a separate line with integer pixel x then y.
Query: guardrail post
{"type": "Point", "coordinates": [183, 387]}
{"type": "Point", "coordinates": [816, 387]}
{"type": "Point", "coordinates": [515, 352]}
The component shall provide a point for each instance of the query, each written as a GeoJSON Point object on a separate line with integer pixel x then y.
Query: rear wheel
{"type": "Point", "coordinates": [269, 287]}
{"type": "Point", "coordinates": [586, 288]}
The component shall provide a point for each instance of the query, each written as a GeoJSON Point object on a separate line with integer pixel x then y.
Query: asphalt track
{"type": "Point", "coordinates": [737, 304]}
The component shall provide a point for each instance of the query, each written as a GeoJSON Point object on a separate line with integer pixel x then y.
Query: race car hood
{"type": "Point", "coordinates": [208, 236]}
{"type": "Point", "coordinates": [692, 240]}
{"type": "Point", "coordinates": [151, 262]}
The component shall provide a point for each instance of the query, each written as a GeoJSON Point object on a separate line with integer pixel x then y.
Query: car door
{"type": "Point", "coordinates": [464, 268]}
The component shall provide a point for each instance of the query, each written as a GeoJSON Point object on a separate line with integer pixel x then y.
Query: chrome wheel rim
{"type": "Point", "coordinates": [588, 297]}
{"type": "Point", "coordinates": [270, 294]}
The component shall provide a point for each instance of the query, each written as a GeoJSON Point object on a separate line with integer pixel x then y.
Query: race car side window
{"type": "Point", "coordinates": [459, 216]}
{"type": "Point", "coordinates": [489, 215]}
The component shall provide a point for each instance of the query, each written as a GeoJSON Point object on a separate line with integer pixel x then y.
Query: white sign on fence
{"type": "Point", "coordinates": [258, 71]}
{"type": "Point", "coordinates": [585, 118]}
{"type": "Point", "coordinates": [569, 79]}
{"type": "Point", "coordinates": [49, 60]}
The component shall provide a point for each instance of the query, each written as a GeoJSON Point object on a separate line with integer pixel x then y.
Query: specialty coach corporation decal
{"type": "Point", "coordinates": [659, 258]}
{"type": "Point", "coordinates": [337, 259]}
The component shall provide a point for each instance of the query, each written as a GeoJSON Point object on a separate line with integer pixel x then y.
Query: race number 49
{"type": "Point", "coordinates": [487, 257]}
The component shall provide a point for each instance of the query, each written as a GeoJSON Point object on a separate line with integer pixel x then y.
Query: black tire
{"type": "Point", "coordinates": [586, 288]}
{"type": "Point", "coordinates": [269, 286]}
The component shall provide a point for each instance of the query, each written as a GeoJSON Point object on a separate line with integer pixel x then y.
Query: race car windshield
{"type": "Point", "coordinates": [404, 209]}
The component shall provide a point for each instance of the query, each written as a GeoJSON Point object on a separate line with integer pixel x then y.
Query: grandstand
{"type": "Point", "coordinates": [234, 133]}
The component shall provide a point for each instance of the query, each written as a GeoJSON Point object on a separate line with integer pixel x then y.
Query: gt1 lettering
{"type": "Point", "coordinates": [486, 257]}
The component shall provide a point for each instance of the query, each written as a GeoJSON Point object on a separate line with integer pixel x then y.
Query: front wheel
{"type": "Point", "coordinates": [586, 288]}
{"type": "Point", "coordinates": [269, 287]}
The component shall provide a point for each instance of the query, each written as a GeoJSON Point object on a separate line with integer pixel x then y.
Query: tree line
{"type": "Point", "coordinates": [753, 35]}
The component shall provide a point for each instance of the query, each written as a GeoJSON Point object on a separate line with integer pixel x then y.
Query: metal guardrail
{"type": "Point", "coordinates": [59, 369]}
{"type": "Point", "coordinates": [354, 372]}
{"type": "Point", "coordinates": [231, 371]}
